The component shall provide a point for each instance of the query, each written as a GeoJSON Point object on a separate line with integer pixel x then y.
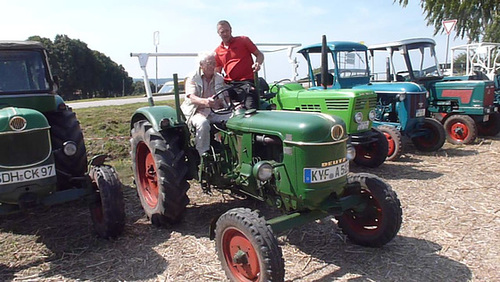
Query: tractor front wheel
{"type": "Point", "coordinates": [394, 141]}
{"type": "Point", "coordinates": [374, 153]}
{"type": "Point", "coordinates": [107, 210]}
{"type": "Point", "coordinates": [490, 127]}
{"type": "Point", "coordinates": [247, 248]}
{"type": "Point", "coordinates": [160, 173]}
{"type": "Point", "coordinates": [434, 136]}
{"type": "Point", "coordinates": [460, 129]}
{"type": "Point", "coordinates": [375, 222]}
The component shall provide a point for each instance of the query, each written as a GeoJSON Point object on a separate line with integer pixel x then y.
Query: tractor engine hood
{"type": "Point", "coordinates": [395, 87]}
{"type": "Point", "coordinates": [21, 119]}
{"type": "Point", "coordinates": [290, 126]}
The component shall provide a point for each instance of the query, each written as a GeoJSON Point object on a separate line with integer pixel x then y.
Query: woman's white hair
{"type": "Point", "coordinates": [204, 56]}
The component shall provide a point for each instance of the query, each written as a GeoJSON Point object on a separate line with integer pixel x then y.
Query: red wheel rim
{"type": "Point", "coordinates": [369, 220]}
{"type": "Point", "coordinates": [391, 144]}
{"type": "Point", "coordinates": [240, 255]}
{"type": "Point", "coordinates": [459, 131]}
{"type": "Point", "coordinates": [148, 178]}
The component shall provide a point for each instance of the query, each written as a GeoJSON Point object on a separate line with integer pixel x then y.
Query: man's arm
{"type": "Point", "coordinates": [259, 60]}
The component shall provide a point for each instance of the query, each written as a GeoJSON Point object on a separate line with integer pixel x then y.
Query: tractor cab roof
{"type": "Point", "coordinates": [411, 43]}
{"type": "Point", "coordinates": [12, 44]}
{"type": "Point", "coordinates": [334, 46]}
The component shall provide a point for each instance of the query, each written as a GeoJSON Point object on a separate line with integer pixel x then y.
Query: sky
{"type": "Point", "coordinates": [118, 28]}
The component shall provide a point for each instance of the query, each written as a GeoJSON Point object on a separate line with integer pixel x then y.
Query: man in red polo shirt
{"type": "Point", "coordinates": [234, 56]}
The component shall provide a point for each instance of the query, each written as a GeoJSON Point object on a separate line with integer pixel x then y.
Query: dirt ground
{"type": "Point", "coordinates": [450, 232]}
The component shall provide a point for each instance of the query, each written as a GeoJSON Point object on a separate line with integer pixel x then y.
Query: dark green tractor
{"type": "Point", "coordinates": [43, 160]}
{"type": "Point", "coordinates": [294, 161]}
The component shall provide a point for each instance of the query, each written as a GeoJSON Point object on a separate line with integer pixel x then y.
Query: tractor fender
{"type": "Point", "coordinates": [60, 104]}
{"type": "Point", "coordinates": [155, 115]}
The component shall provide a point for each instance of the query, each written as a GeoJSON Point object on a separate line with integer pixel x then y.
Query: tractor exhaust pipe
{"type": "Point", "coordinates": [324, 62]}
{"type": "Point", "coordinates": [180, 115]}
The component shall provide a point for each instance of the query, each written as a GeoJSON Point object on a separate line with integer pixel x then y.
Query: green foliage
{"type": "Point", "coordinates": [82, 72]}
{"type": "Point", "coordinates": [477, 20]}
{"type": "Point", "coordinates": [107, 129]}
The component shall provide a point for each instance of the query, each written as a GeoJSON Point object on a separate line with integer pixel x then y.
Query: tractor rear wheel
{"type": "Point", "coordinates": [394, 141]}
{"type": "Point", "coordinates": [65, 127]}
{"type": "Point", "coordinates": [434, 138]}
{"type": "Point", "coordinates": [374, 153]}
{"type": "Point", "coordinates": [247, 248]}
{"type": "Point", "coordinates": [378, 221]}
{"type": "Point", "coordinates": [108, 209]}
{"type": "Point", "coordinates": [158, 162]}
{"type": "Point", "coordinates": [490, 127]}
{"type": "Point", "coordinates": [460, 129]}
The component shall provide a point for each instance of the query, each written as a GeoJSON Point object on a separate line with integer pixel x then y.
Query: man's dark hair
{"type": "Point", "coordinates": [224, 22]}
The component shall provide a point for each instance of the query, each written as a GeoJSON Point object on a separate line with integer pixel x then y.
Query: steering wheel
{"type": "Point", "coordinates": [275, 84]}
{"type": "Point", "coordinates": [232, 105]}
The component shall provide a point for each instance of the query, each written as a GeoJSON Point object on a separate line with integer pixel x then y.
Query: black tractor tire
{"type": "Point", "coordinates": [160, 172]}
{"type": "Point", "coordinates": [435, 138]}
{"type": "Point", "coordinates": [372, 154]}
{"type": "Point", "coordinates": [490, 127]}
{"type": "Point", "coordinates": [247, 248]}
{"type": "Point", "coordinates": [460, 129]}
{"type": "Point", "coordinates": [64, 127]}
{"type": "Point", "coordinates": [379, 222]}
{"type": "Point", "coordinates": [394, 141]}
{"type": "Point", "coordinates": [108, 208]}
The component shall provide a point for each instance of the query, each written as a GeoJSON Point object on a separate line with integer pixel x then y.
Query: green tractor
{"type": "Point", "coordinates": [43, 159]}
{"type": "Point", "coordinates": [295, 162]}
{"type": "Point", "coordinates": [355, 106]}
{"type": "Point", "coordinates": [463, 104]}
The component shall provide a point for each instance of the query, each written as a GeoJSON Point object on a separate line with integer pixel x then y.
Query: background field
{"type": "Point", "coordinates": [450, 228]}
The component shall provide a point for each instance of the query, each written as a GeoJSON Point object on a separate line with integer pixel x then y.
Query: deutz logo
{"type": "Point", "coordinates": [421, 104]}
{"type": "Point", "coordinates": [330, 163]}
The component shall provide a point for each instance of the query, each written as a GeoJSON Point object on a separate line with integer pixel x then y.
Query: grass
{"type": "Point", "coordinates": [107, 131]}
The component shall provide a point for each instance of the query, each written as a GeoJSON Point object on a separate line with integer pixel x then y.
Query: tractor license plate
{"type": "Point", "coordinates": [486, 118]}
{"type": "Point", "coordinates": [363, 125]}
{"type": "Point", "coordinates": [420, 113]}
{"type": "Point", "coordinates": [29, 174]}
{"type": "Point", "coordinates": [318, 175]}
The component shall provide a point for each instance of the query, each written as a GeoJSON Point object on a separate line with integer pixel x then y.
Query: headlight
{"type": "Point", "coordinates": [351, 152]}
{"type": "Point", "coordinates": [372, 115]}
{"type": "Point", "coordinates": [337, 132]}
{"type": "Point", "coordinates": [358, 117]}
{"type": "Point", "coordinates": [69, 148]}
{"type": "Point", "coordinates": [263, 171]}
{"type": "Point", "coordinates": [401, 96]}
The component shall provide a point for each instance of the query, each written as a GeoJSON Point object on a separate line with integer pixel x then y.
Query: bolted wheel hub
{"type": "Point", "coordinates": [240, 257]}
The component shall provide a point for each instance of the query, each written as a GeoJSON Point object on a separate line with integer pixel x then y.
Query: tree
{"type": "Point", "coordinates": [83, 71]}
{"type": "Point", "coordinates": [477, 20]}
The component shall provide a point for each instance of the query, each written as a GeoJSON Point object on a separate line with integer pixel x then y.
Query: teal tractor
{"type": "Point", "coordinates": [399, 107]}
{"type": "Point", "coordinates": [463, 104]}
{"type": "Point", "coordinates": [356, 107]}
{"type": "Point", "coordinates": [293, 161]}
{"type": "Point", "coordinates": [43, 160]}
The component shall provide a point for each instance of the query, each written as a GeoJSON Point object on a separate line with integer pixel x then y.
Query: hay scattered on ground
{"type": "Point", "coordinates": [450, 232]}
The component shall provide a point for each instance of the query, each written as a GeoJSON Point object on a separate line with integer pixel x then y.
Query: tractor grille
{"type": "Point", "coordinates": [337, 104]}
{"type": "Point", "coordinates": [361, 103]}
{"type": "Point", "coordinates": [415, 101]}
{"type": "Point", "coordinates": [310, 108]}
{"type": "Point", "coordinates": [19, 149]}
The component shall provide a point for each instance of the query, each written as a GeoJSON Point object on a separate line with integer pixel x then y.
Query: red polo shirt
{"type": "Point", "coordinates": [236, 59]}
